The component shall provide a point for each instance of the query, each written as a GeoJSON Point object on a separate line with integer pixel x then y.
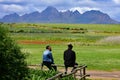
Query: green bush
{"type": "Point", "coordinates": [36, 74]}
{"type": "Point", "coordinates": [12, 60]}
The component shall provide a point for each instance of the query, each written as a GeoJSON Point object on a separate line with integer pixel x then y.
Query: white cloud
{"type": "Point", "coordinates": [1, 0]}
{"type": "Point", "coordinates": [11, 0]}
{"type": "Point", "coordinates": [88, 2]}
{"type": "Point", "coordinates": [83, 9]}
{"type": "Point", "coordinates": [13, 8]}
{"type": "Point", "coordinates": [113, 14]}
{"type": "Point", "coordinates": [49, 1]}
{"type": "Point", "coordinates": [117, 1]}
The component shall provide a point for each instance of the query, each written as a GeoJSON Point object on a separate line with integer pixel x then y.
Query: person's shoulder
{"type": "Point", "coordinates": [46, 51]}
{"type": "Point", "coordinates": [65, 51]}
{"type": "Point", "coordinates": [73, 51]}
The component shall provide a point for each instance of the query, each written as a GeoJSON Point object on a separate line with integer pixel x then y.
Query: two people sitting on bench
{"type": "Point", "coordinates": [69, 58]}
{"type": "Point", "coordinates": [48, 59]}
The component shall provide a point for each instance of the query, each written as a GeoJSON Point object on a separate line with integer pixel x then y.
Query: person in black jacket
{"type": "Point", "coordinates": [69, 58]}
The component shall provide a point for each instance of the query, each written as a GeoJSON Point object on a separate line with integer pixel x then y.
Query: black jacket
{"type": "Point", "coordinates": [69, 58]}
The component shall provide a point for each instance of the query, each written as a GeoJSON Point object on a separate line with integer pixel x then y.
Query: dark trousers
{"type": "Point", "coordinates": [49, 65]}
{"type": "Point", "coordinates": [74, 67]}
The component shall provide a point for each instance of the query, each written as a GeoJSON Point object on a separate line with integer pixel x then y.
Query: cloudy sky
{"type": "Point", "coordinates": [111, 7]}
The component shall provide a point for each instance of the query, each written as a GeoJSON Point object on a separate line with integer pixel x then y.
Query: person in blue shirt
{"type": "Point", "coordinates": [48, 58]}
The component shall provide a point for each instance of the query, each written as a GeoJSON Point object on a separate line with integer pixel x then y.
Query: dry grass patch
{"type": "Point", "coordinates": [111, 40]}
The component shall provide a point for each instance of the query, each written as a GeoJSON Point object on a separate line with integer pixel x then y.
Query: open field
{"type": "Point", "coordinates": [97, 46]}
{"type": "Point", "coordinates": [95, 57]}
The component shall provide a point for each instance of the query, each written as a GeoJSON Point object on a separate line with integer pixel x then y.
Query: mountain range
{"type": "Point", "coordinates": [52, 15]}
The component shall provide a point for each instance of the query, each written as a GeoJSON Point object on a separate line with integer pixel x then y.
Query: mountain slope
{"type": "Point", "coordinates": [52, 15]}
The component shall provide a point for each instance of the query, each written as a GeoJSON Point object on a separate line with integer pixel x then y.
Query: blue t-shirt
{"type": "Point", "coordinates": [47, 56]}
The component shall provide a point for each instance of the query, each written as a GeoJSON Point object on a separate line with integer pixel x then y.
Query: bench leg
{"type": "Point", "coordinates": [42, 66]}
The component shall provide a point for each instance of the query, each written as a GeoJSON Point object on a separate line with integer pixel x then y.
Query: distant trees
{"type": "Point", "coordinates": [12, 60]}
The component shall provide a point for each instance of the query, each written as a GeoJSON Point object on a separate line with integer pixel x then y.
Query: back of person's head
{"type": "Point", "coordinates": [70, 46]}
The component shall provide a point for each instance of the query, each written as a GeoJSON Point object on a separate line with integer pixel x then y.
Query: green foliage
{"type": "Point", "coordinates": [12, 60]}
{"type": "Point", "coordinates": [36, 74]}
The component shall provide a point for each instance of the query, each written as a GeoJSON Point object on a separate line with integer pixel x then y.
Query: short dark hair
{"type": "Point", "coordinates": [47, 46]}
{"type": "Point", "coordinates": [70, 45]}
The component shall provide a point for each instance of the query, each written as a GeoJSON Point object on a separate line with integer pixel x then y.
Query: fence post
{"type": "Point", "coordinates": [84, 72]}
{"type": "Point", "coordinates": [42, 66]}
{"type": "Point", "coordinates": [80, 73]}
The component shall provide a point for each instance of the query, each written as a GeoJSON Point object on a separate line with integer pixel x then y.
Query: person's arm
{"type": "Point", "coordinates": [74, 56]}
{"type": "Point", "coordinates": [51, 57]}
{"type": "Point", "coordinates": [64, 56]}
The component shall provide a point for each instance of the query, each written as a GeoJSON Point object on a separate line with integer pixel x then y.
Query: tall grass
{"type": "Point", "coordinates": [36, 74]}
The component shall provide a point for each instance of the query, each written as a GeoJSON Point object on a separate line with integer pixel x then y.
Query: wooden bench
{"type": "Point", "coordinates": [79, 71]}
{"type": "Point", "coordinates": [82, 74]}
{"type": "Point", "coordinates": [59, 76]}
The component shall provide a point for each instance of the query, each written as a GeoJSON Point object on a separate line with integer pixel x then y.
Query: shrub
{"type": "Point", "coordinates": [36, 74]}
{"type": "Point", "coordinates": [12, 60]}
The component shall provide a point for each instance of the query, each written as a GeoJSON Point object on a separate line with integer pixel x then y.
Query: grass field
{"type": "Point", "coordinates": [90, 42]}
{"type": "Point", "coordinates": [95, 57]}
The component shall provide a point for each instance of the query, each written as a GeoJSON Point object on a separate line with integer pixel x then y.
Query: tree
{"type": "Point", "coordinates": [12, 60]}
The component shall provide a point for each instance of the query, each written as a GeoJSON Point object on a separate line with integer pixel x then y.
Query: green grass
{"type": "Point", "coordinates": [89, 51]}
{"type": "Point", "coordinates": [63, 32]}
{"type": "Point", "coordinates": [57, 37]}
{"type": "Point", "coordinates": [57, 27]}
{"type": "Point", "coordinates": [95, 57]}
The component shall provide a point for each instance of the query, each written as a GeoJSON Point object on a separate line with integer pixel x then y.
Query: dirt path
{"type": "Point", "coordinates": [101, 75]}
{"type": "Point", "coordinates": [104, 75]}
